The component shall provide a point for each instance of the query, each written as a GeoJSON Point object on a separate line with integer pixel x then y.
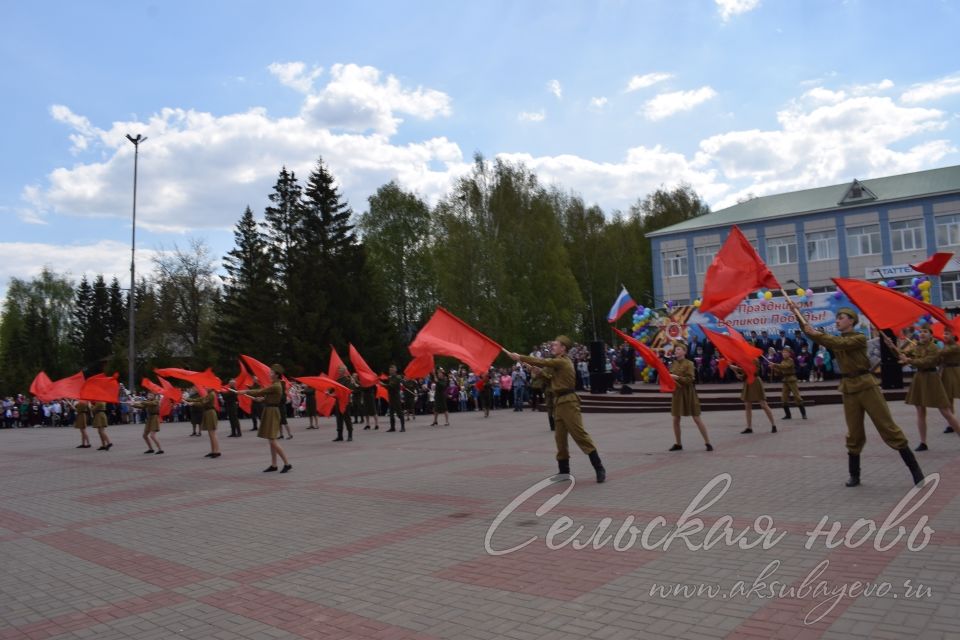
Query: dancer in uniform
{"type": "Point", "coordinates": [685, 400]}
{"type": "Point", "coordinates": [753, 392]}
{"type": "Point", "coordinates": [273, 398]}
{"type": "Point", "coordinates": [567, 416]}
{"type": "Point", "coordinates": [950, 369]}
{"type": "Point", "coordinates": [82, 410]}
{"type": "Point", "coordinates": [393, 384]}
{"type": "Point", "coordinates": [151, 426]}
{"type": "Point", "coordinates": [440, 398]}
{"type": "Point", "coordinates": [233, 411]}
{"type": "Point", "coordinates": [343, 417]}
{"type": "Point", "coordinates": [861, 392]}
{"type": "Point", "coordinates": [787, 371]}
{"type": "Point", "coordinates": [208, 418]}
{"type": "Point", "coordinates": [100, 424]}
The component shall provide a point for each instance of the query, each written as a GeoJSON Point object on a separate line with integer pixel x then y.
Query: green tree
{"type": "Point", "coordinates": [397, 236]}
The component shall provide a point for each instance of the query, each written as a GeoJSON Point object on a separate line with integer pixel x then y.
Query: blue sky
{"type": "Point", "coordinates": [608, 99]}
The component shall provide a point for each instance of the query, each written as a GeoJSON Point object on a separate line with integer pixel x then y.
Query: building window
{"type": "Point", "coordinates": [821, 245]}
{"type": "Point", "coordinates": [674, 264]}
{"type": "Point", "coordinates": [704, 256]}
{"type": "Point", "coordinates": [948, 231]}
{"type": "Point", "coordinates": [782, 250]}
{"type": "Point", "coordinates": [863, 241]}
{"type": "Point", "coordinates": [907, 235]}
{"type": "Point", "coordinates": [950, 287]}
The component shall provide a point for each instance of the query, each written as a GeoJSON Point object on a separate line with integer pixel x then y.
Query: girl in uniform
{"type": "Point", "coordinates": [753, 392]}
{"type": "Point", "coordinates": [100, 424]}
{"type": "Point", "coordinates": [82, 409]}
{"type": "Point", "coordinates": [208, 420]}
{"type": "Point", "coordinates": [270, 420]}
{"type": "Point", "coordinates": [685, 401]}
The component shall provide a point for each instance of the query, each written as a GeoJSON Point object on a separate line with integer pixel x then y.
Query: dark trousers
{"type": "Point", "coordinates": [343, 420]}
{"type": "Point", "coordinates": [398, 412]}
{"type": "Point", "coordinates": [234, 422]}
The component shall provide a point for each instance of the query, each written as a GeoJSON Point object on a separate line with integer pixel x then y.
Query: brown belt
{"type": "Point", "coordinates": [934, 370]}
{"type": "Point", "coordinates": [854, 374]}
{"type": "Point", "coordinates": [947, 366]}
{"type": "Point", "coordinates": [564, 392]}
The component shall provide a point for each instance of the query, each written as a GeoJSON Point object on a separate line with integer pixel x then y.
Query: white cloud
{"type": "Point", "coordinates": [667, 104]}
{"type": "Point", "coordinates": [532, 116]}
{"type": "Point", "coordinates": [24, 260]}
{"type": "Point", "coordinates": [200, 170]}
{"type": "Point", "coordinates": [554, 87]}
{"type": "Point", "coordinates": [598, 103]}
{"type": "Point", "coordinates": [935, 90]}
{"type": "Point", "coordinates": [730, 8]}
{"type": "Point", "coordinates": [646, 80]}
{"type": "Point", "coordinates": [295, 75]}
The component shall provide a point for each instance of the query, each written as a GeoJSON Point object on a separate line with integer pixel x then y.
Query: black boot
{"type": "Point", "coordinates": [598, 466]}
{"type": "Point", "coordinates": [911, 461]}
{"type": "Point", "coordinates": [564, 474]}
{"type": "Point", "coordinates": [853, 463]}
{"type": "Point", "coordinates": [803, 411]}
{"type": "Point", "coordinates": [339, 437]}
{"type": "Point", "coordinates": [786, 412]}
{"type": "Point", "coordinates": [553, 426]}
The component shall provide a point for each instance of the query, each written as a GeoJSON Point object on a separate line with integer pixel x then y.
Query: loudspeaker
{"type": "Point", "coordinates": [598, 357]}
{"type": "Point", "coordinates": [887, 356]}
{"type": "Point", "coordinates": [601, 382]}
{"type": "Point", "coordinates": [891, 375]}
{"type": "Point", "coordinates": [624, 389]}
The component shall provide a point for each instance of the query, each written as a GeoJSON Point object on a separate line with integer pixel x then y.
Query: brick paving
{"type": "Point", "coordinates": [385, 537]}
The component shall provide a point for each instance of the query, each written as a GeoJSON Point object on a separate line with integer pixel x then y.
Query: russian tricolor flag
{"type": "Point", "coordinates": [622, 304]}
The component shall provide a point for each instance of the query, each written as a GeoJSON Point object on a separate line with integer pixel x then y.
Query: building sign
{"type": "Point", "coordinates": [905, 270]}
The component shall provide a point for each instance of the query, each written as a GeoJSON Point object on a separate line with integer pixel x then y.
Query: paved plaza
{"type": "Point", "coordinates": [390, 536]}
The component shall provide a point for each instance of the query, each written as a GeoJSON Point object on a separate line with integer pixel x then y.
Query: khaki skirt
{"type": "Point", "coordinates": [269, 423]}
{"type": "Point", "coordinates": [753, 392]}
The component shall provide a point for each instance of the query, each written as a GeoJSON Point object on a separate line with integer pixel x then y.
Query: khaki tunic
{"type": "Point", "coordinates": [100, 415]}
{"type": "Point", "coordinates": [950, 370]}
{"type": "Point", "coordinates": [861, 392]}
{"type": "Point", "coordinates": [566, 408]}
{"type": "Point", "coordinates": [926, 390]}
{"type": "Point", "coordinates": [685, 400]}
{"type": "Point", "coordinates": [152, 407]}
{"type": "Point", "coordinates": [208, 422]}
{"type": "Point", "coordinates": [83, 413]}
{"type": "Point", "coordinates": [787, 370]}
{"type": "Point", "coordinates": [270, 418]}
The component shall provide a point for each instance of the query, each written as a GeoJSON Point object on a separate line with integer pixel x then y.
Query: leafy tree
{"type": "Point", "coordinates": [188, 294]}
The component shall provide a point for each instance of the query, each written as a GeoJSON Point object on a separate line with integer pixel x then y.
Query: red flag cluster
{"type": "Point", "coordinates": [46, 390]}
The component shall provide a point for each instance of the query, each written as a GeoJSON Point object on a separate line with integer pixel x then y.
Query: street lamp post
{"type": "Point", "coordinates": [131, 311]}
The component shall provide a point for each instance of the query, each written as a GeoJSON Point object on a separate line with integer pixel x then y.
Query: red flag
{"type": "Point", "coordinates": [169, 390]}
{"type": "Point", "coordinates": [382, 393]}
{"type": "Point", "coordinates": [67, 387]}
{"type": "Point", "coordinates": [738, 351]}
{"type": "Point", "coordinates": [722, 365]}
{"type": "Point", "coordinates": [243, 381]}
{"type": "Point", "coordinates": [151, 386]}
{"type": "Point", "coordinates": [445, 334]}
{"type": "Point", "coordinates": [203, 391]}
{"type": "Point", "coordinates": [420, 367]}
{"type": "Point", "coordinates": [257, 368]}
{"type": "Point", "coordinates": [204, 379]}
{"type": "Point", "coordinates": [325, 404]}
{"type": "Point", "coordinates": [367, 377]}
{"type": "Point", "coordinates": [667, 383]}
{"type": "Point", "coordinates": [101, 388]}
{"type": "Point", "coordinates": [333, 370]}
{"type": "Point", "coordinates": [322, 383]}
{"type": "Point", "coordinates": [885, 307]}
{"type": "Point", "coordinates": [735, 272]}
{"type": "Point", "coordinates": [41, 385]}
{"type": "Point", "coordinates": [933, 265]}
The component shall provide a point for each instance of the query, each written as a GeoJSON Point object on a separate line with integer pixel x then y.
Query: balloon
{"type": "Point", "coordinates": [759, 295]}
{"type": "Point", "coordinates": [767, 295]}
{"type": "Point", "coordinates": [810, 292]}
{"type": "Point", "coordinates": [915, 281]}
{"type": "Point", "coordinates": [924, 285]}
{"type": "Point", "coordinates": [837, 295]}
{"type": "Point", "coordinates": [891, 283]}
{"type": "Point", "coordinates": [800, 291]}
{"type": "Point", "coordinates": [696, 303]}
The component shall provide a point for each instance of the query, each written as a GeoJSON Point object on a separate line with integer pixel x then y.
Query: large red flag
{"type": "Point", "coordinates": [101, 388]}
{"type": "Point", "coordinates": [447, 335]}
{"type": "Point", "coordinates": [333, 370]}
{"type": "Point", "coordinates": [169, 390]}
{"type": "Point", "coordinates": [166, 404]}
{"type": "Point", "coordinates": [151, 386]}
{"type": "Point", "coordinates": [382, 393]}
{"type": "Point", "coordinates": [735, 272]}
{"type": "Point", "coordinates": [885, 307]}
{"type": "Point", "coordinates": [67, 387]}
{"type": "Point", "coordinates": [322, 383]}
{"type": "Point", "coordinates": [257, 368]}
{"type": "Point", "coordinates": [366, 375]}
{"type": "Point", "coordinates": [420, 367]}
{"type": "Point", "coordinates": [41, 385]}
{"type": "Point", "coordinates": [205, 379]}
{"type": "Point", "coordinates": [738, 351]}
{"type": "Point", "coordinates": [933, 265]}
{"type": "Point", "coordinates": [667, 383]}
{"type": "Point", "coordinates": [244, 380]}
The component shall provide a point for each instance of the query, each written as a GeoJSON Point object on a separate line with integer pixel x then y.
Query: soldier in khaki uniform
{"type": "Point", "coordinates": [861, 392]}
{"type": "Point", "coordinates": [950, 369]}
{"type": "Point", "coordinates": [787, 371]}
{"type": "Point", "coordinates": [567, 418]}
{"type": "Point", "coordinates": [152, 425]}
{"type": "Point", "coordinates": [270, 418]}
{"type": "Point", "coordinates": [753, 392]}
{"type": "Point", "coordinates": [100, 424]}
{"type": "Point", "coordinates": [685, 401]}
{"type": "Point", "coordinates": [393, 384]}
{"type": "Point", "coordinates": [82, 410]}
{"type": "Point", "coordinates": [926, 389]}
{"type": "Point", "coordinates": [208, 419]}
